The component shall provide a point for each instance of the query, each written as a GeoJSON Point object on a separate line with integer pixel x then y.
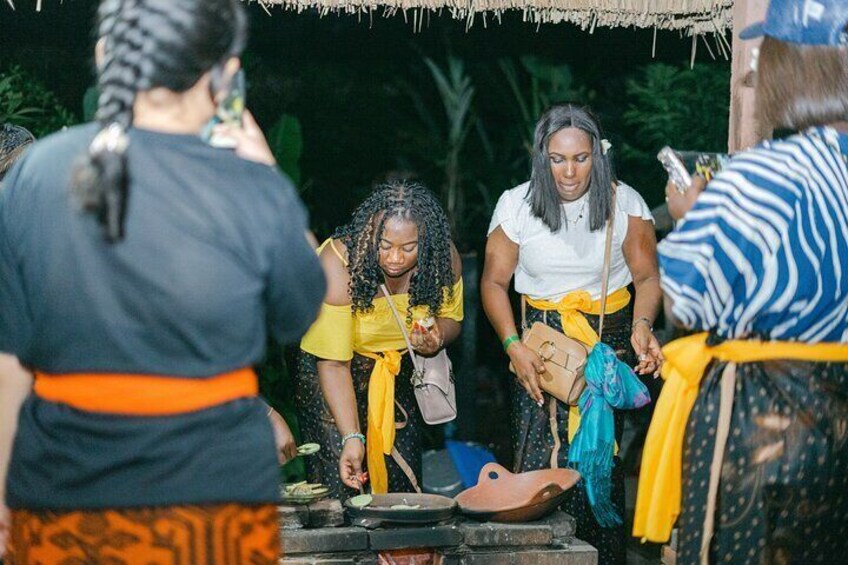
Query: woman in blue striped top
{"type": "Point", "coordinates": [759, 262]}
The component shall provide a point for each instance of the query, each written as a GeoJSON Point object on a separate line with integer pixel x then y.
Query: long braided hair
{"type": "Point", "coordinates": [545, 202]}
{"type": "Point", "coordinates": [406, 201]}
{"type": "Point", "coordinates": [147, 44]}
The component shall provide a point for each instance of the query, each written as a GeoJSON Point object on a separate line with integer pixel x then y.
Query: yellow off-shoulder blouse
{"type": "Point", "coordinates": [338, 333]}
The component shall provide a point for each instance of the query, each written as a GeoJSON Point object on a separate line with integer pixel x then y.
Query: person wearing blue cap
{"type": "Point", "coordinates": [756, 405]}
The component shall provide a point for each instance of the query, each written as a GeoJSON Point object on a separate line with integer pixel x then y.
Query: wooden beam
{"type": "Point", "coordinates": [744, 129]}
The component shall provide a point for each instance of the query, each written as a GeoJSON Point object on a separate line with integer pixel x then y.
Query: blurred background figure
{"type": "Point", "coordinates": [14, 140]}
{"type": "Point", "coordinates": [141, 271]}
{"type": "Point", "coordinates": [757, 264]}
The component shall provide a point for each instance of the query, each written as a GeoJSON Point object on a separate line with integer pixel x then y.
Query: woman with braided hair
{"type": "Point", "coordinates": [354, 353]}
{"type": "Point", "coordinates": [136, 293]}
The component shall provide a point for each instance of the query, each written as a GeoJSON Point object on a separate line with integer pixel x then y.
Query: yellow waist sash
{"type": "Point", "coordinates": [380, 433]}
{"type": "Point", "coordinates": [686, 359]}
{"type": "Point", "coordinates": [571, 308]}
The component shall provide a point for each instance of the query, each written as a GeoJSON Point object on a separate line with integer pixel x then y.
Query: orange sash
{"type": "Point", "coordinates": [144, 395]}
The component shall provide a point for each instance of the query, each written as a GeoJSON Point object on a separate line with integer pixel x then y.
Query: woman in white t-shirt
{"type": "Point", "coordinates": [550, 233]}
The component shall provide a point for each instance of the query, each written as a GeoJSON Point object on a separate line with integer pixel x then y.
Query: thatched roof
{"type": "Point", "coordinates": [690, 16]}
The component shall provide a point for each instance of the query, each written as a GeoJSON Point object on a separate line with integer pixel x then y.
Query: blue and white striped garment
{"type": "Point", "coordinates": [763, 252]}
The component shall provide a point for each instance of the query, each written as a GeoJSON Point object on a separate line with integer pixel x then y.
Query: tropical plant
{"type": "Point", "coordinates": [542, 85]}
{"type": "Point", "coordinates": [457, 94]}
{"type": "Point", "coordinates": [26, 102]}
{"type": "Point", "coordinates": [286, 141]}
{"type": "Point", "coordinates": [686, 108]}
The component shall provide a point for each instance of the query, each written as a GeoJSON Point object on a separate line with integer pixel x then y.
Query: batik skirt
{"type": "Point", "coordinates": [317, 424]}
{"type": "Point", "coordinates": [176, 535]}
{"type": "Point", "coordinates": [783, 490]}
{"type": "Point", "coordinates": [533, 440]}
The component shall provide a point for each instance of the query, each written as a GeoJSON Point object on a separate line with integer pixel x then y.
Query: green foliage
{"type": "Point", "coordinates": [26, 102]}
{"type": "Point", "coordinates": [546, 84]}
{"type": "Point", "coordinates": [286, 141]}
{"type": "Point", "coordinates": [686, 108]}
{"type": "Point", "coordinates": [457, 94]}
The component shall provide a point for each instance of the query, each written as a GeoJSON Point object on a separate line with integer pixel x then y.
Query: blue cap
{"type": "Point", "coordinates": [808, 22]}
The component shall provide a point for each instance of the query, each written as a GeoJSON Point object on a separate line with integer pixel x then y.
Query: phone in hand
{"type": "Point", "coordinates": [229, 111]}
{"type": "Point", "coordinates": [677, 172]}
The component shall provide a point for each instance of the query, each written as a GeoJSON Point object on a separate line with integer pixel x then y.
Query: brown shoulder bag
{"type": "Point", "coordinates": [565, 357]}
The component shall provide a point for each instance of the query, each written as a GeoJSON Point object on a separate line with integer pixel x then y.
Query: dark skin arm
{"type": "Point", "coordinates": [334, 376]}
{"type": "Point", "coordinates": [500, 265]}
{"type": "Point", "coordinates": [640, 253]}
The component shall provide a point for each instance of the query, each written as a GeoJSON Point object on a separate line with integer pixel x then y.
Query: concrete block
{"type": "Point", "coordinates": [563, 526]}
{"type": "Point", "coordinates": [325, 513]}
{"type": "Point", "coordinates": [414, 537]}
{"type": "Point", "coordinates": [491, 534]}
{"type": "Point", "coordinates": [325, 540]}
{"type": "Point", "coordinates": [578, 553]}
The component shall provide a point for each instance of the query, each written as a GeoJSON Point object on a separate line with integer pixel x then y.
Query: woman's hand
{"type": "Point", "coordinates": [647, 349]}
{"type": "Point", "coordinates": [283, 437]}
{"type": "Point", "coordinates": [427, 342]}
{"type": "Point", "coordinates": [679, 204]}
{"type": "Point", "coordinates": [249, 140]}
{"type": "Point", "coordinates": [350, 462]}
{"type": "Point", "coordinates": [527, 366]}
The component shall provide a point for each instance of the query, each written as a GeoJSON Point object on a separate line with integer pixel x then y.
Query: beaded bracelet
{"type": "Point", "coordinates": [642, 319]}
{"type": "Point", "coordinates": [508, 341]}
{"type": "Point", "coordinates": [352, 435]}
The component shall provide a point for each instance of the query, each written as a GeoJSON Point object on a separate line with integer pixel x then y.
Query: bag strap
{"type": "Point", "coordinates": [605, 273]}
{"type": "Point", "coordinates": [407, 470]}
{"type": "Point", "coordinates": [401, 325]}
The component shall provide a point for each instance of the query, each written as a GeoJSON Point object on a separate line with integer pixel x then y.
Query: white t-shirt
{"type": "Point", "coordinates": [550, 265]}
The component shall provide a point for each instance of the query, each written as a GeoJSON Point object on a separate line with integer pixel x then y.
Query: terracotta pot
{"type": "Point", "coordinates": [501, 496]}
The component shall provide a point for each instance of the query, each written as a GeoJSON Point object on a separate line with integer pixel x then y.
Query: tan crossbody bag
{"type": "Point", "coordinates": [565, 357]}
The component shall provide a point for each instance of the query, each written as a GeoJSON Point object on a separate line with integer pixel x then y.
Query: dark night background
{"type": "Point", "coordinates": [367, 107]}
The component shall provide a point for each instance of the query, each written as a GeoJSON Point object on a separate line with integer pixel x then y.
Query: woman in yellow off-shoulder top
{"type": "Point", "coordinates": [353, 387]}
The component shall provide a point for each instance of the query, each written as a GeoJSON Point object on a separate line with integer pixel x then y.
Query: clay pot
{"type": "Point", "coordinates": [501, 496]}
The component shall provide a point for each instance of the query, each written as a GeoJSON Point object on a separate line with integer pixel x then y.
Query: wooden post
{"type": "Point", "coordinates": [744, 129]}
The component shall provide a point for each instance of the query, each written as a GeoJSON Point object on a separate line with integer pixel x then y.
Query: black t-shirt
{"type": "Point", "coordinates": [215, 254]}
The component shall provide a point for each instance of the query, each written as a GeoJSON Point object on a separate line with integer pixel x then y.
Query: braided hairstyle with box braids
{"type": "Point", "coordinates": [147, 44]}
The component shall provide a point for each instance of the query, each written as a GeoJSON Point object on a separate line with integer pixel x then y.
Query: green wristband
{"type": "Point", "coordinates": [508, 341]}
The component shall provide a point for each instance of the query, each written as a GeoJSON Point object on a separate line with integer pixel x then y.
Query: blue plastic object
{"type": "Point", "coordinates": [468, 458]}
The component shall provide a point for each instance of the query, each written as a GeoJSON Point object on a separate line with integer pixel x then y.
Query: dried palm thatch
{"type": "Point", "coordinates": [693, 17]}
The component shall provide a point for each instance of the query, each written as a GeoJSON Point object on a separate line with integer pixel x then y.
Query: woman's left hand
{"type": "Point", "coordinates": [283, 437]}
{"type": "Point", "coordinates": [647, 349]}
{"type": "Point", "coordinates": [429, 342]}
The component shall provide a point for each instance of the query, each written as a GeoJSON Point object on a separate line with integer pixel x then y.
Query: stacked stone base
{"type": "Point", "coordinates": [314, 536]}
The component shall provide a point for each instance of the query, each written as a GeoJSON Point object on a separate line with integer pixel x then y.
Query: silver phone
{"type": "Point", "coordinates": [675, 168]}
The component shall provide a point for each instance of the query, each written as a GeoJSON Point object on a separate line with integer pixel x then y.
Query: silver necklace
{"type": "Point", "coordinates": [579, 215]}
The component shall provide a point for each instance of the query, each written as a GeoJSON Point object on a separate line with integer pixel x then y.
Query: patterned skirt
{"type": "Point", "coordinates": [317, 424]}
{"type": "Point", "coordinates": [176, 535]}
{"type": "Point", "coordinates": [533, 442]}
{"type": "Point", "coordinates": [783, 490]}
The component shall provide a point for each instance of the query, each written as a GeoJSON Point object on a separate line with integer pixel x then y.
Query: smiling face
{"type": "Point", "coordinates": [398, 247]}
{"type": "Point", "coordinates": [570, 154]}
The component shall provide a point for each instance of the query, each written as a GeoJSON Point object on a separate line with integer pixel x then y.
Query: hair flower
{"type": "Point", "coordinates": [605, 146]}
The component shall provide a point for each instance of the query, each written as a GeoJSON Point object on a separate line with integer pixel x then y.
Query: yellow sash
{"type": "Point", "coordinates": [381, 416]}
{"type": "Point", "coordinates": [686, 359]}
{"type": "Point", "coordinates": [571, 308]}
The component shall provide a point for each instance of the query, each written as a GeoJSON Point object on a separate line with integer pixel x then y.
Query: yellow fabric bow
{"type": "Point", "coordinates": [686, 360]}
{"type": "Point", "coordinates": [381, 416]}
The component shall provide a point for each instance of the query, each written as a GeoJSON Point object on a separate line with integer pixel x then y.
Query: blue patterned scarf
{"type": "Point", "coordinates": [609, 384]}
